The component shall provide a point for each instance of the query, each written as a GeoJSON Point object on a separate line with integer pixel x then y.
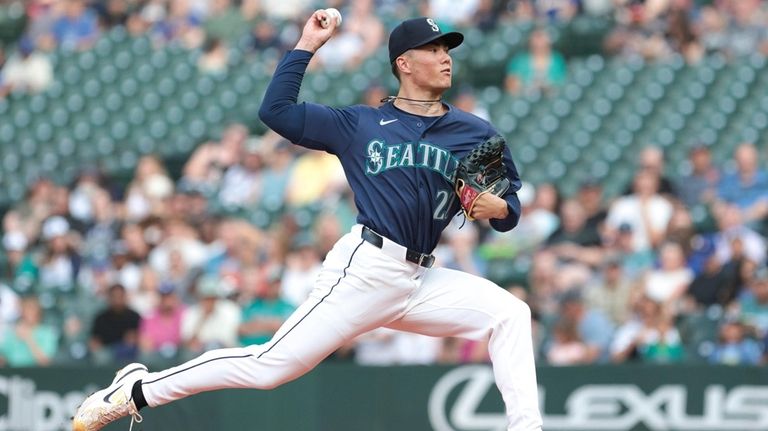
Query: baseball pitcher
{"type": "Point", "coordinates": [414, 163]}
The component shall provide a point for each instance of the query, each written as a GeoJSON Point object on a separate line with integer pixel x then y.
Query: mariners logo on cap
{"type": "Point", "coordinates": [432, 24]}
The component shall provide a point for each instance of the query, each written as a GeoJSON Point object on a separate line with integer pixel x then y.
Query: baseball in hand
{"type": "Point", "coordinates": [332, 13]}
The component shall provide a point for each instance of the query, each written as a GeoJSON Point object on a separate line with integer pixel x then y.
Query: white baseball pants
{"type": "Point", "coordinates": [362, 287]}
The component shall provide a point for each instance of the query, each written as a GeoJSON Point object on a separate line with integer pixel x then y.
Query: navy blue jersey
{"type": "Point", "coordinates": [400, 166]}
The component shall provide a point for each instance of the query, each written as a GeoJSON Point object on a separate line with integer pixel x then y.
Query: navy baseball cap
{"type": "Point", "coordinates": [413, 33]}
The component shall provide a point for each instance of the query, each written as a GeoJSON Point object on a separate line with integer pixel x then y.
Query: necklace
{"type": "Point", "coordinates": [428, 106]}
{"type": "Point", "coordinates": [392, 99]}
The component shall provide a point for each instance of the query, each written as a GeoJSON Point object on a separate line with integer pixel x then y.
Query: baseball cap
{"type": "Point", "coordinates": [625, 228]}
{"type": "Point", "coordinates": [166, 287]}
{"type": "Point", "coordinates": [413, 33]}
{"type": "Point", "coordinates": [571, 296]}
{"type": "Point", "coordinates": [55, 226]}
{"type": "Point", "coordinates": [208, 286]}
{"type": "Point", "coordinates": [612, 262]}
{"type": "Point", "coordinates": [590, 183]}
{"type": "Point", "coordinates": [15, 241]}
{"type": "Point", "coordinates": [26, 45]}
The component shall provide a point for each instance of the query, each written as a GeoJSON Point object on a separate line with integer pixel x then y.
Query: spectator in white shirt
{"type": "Point", "coordinates": [645, 211]}
{"type": "Point", "coordinates": [211, 323]}
{"type": "Point", "coordinates": [28, 71]}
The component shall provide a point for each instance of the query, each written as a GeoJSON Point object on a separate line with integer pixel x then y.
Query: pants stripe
{"type": "Point", "coordinates": [344, 274]}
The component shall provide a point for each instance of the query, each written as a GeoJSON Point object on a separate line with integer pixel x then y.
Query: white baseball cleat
{"type": "Point", "coordinates": [112, 403]}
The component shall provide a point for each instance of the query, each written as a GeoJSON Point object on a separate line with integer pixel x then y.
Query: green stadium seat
{"type": "Point", "coordinates": [21, 119]}
{"type": "Point", "coordinates": [145, 73]}
{"type": "Point", "coordinates": [7, 134]}
{"type": "Point", "coordinates": [43, 131]}
{"type": "Point", "coordinates": [190, 100]}
{"type": "Point", "coordinates": [137, 116]}
{"type": "Point", "coordinates": [158, 129]}
{"type": "Point", "coordinates": [243, 86]}
{"type": "Point", "coordinates": [75, 103]}
{"type": "Point", "coordinates": [197, 129]}
{"type": "Point", "coordinates": [146, 145]}
{"type": "Point", "coordinates": [49, 161]}
{"type": "Point", "coordinates": [98, 116]}
{"type": "Point", "coordinates": [108, 74]}
{"type": "Point", "coordinates": [119, 130]}
{"type": "Point", "coordinates": [160, 59]}
{"type": "Point", "coordinates": [166, 87]}
{"type": "Point", "coordinates": [174, 115]}
{"type": "Point", "coordinates": [27, 148]}
{"type": "Point", "coordinates": [133, 97]}
{"type": "Point", "coordinates": [213, 115]}
{"type": "Point", "coordinates": [123, 60]}
{"type": "Point", "coordinates": [205, 86]}
{"type": "Point", "coordinates": [37, 103]}
{"type": "Point", "coordinates": [5, 106]}
{"type": "Point", "coordinates": [182, 72]}
{"type": "Point", "coordinates": [182, 142]}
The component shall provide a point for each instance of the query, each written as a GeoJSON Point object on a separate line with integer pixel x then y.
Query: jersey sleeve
{"type": "Point", "coordinates": [329, 129]}
{"type": "Point", "coordinates": [513, 203]}
{"type": "Point", "coordinates": [307, 124]}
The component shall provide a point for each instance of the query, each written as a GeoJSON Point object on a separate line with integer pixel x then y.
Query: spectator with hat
{"type": "Point", "coordinates": [213, 321]}
{"type": "Point", "coordinates": [20, 270]}
{"type": "Point", "coordinates": [26, 72]}
{"type": "Point", "coordinates": [611, 292]}
{"type": "Point", "coordinates": [593, 327]}
{"type": "Point", "coordinates": [60, 261]}
{"type": "Point", "coordinates": [634, 262]}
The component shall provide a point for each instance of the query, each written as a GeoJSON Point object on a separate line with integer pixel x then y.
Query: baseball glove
{"type": "Point", "coordinates": [481, 171]}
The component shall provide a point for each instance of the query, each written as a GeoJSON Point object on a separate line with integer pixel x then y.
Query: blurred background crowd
{"type": "Point", "coordinates": [217, 246]}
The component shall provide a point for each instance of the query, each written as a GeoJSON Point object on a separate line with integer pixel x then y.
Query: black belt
{"type": "Point", "coordinates": [421, 259]}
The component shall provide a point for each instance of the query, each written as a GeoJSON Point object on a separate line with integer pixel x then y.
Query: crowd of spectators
{"type": "Point", "coordinates": [646, 29]}
{"type": "Point", "coordinates": [169, 265]}
{"type": "Point", "coordinates": [172, 267]}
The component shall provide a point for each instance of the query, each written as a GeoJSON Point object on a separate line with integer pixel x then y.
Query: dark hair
{"type": "Point", "coordinates": [212, 44]}
{"type": "Point", "coordinates": [116, 287]}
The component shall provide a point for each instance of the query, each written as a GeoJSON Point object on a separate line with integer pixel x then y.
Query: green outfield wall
{"type": "Point", "coordinates": [350, 398]}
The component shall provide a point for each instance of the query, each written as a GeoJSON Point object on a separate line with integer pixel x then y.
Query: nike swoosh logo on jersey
{"type": "Point", "coordinates": [384, 123]}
